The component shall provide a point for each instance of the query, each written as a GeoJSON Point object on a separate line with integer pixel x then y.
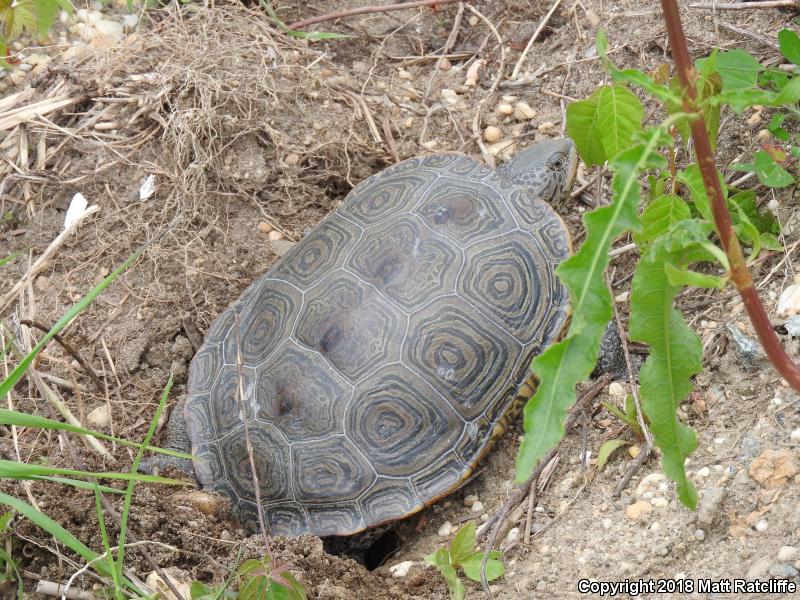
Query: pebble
{"type": "Point", "coordinates": [179, 579]}
{"type": "Point", "coordinates": [762, 526]}
{"type": "Point", "coordinates": [401, 569]}
{"type": "Point", "coordinates": [606, 523]}
{"type": "Point", "coordinates": [634, 451]}
{"type": "Point", "coordinates": [795, 435]}
{"type": "Point", "coordinates": [265, 227]}
{"type": "Point", "coordinates": [703, 473]}
{"type": "Point", "coordinates": [638, 511]}
{"type": "Point", "coordinates": [616, 389]}
{"type": "Point", "coordinates": [130, 22]}
{"type": "Point", "coordinates": [710, 505]}
{"type": "Point", "coordinates": [274, 236]}
{"type": "Point", "coordinates": [449, 96]}
{"type": "Point", "coordinates": [205, 502]}
{"type": "Point", "coordinates": [492, 134]}
{"type": "Point", "coordinates": [505, 109]}
{"type": "Point", "coordinates": [430, 144]}
{"type": "Point", "coordinates": [649, 483]}
{"type": "Point", "coordinates": [793, 325]}
{"type": "Point", "coordinates": [403, 74]}
{"type": "Point", "coordinates": [111, 29]}
{"type": "Point", "coordinates": [446, 529]}
{"type": "Point", "coordinates": [546, 126]}
{"type": "Point", "coordinates": [511, 537]}
{"type": "Point", "coordinates": [445, 64]}
{"type": "Point", "coordinates": [783, 571]}
{"type": "Point", "coordinates": [473, 20]}
{"type": "Point", "coordinates": [292, 159]}
{"type": "Point", "coordinates": [523, 111]}
{"type": "Point", "coordinates": [789, 301]}
{"type": "Point", "coordinates": [477, 506]}
{"type": "Point", "coordinates": [788, 553]}
{"type": "Point", "coordinates": [660, 502]}
{"type": "Point", "coordinates": [699, 535]}
{"type": "Point", "coordinates": [759, 568]}
{"type": "Point", "coordinates": [99, 417]}
{"type": "Point", "coordinates": [470, 500]}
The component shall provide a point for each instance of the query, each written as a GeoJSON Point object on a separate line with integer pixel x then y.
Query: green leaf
{"type": "Point", "coordinates": [564, 364]}
{"type": "Point", "coordinates": [583, 128]}
{"type": "Point", "coordinates": [682, 277]}
{"type": "Point", "coordinates": [621, 114]}
{"type": "Point", "coordinates": [789, 43]}
{"type": "Point", "coordinates": [675, 350]}
{"type": "Point", "coordinates": [770, 242]}
{"type": "Point", "coordinates": [463, 545]}
{"type": "Point", "coordinates": [692, 178]}
{"type": "Point", "coordinates": [47, 12]}
{"type": "Point", "coordinates": [740, 100]}
{"type": "Point", "coordinates": [9, 258]}
{"type": "Point", "coordinates": [769, 172]}
{"type": "Point", "coordinates": [658, 217]}
{"type": "Point", "coordinates": [789, 94]}
{"type": "Point", "coordinates": [494, 566]}
{"type": "Point", "coordinates": [303, 35]}
{"type": "Point", "coordinates": [738, 69]}
{"type": "Point", "coordinates": [607, 449]}
{"type": "Point", "coordinates": [16, 470]}
{"type": "Point", "coordinates": [775, 127]}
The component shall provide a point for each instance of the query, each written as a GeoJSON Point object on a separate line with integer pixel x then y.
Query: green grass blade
{"type": "Point", "coordinates": [302, 35]}
{"type": "Point", "coordinates": [109, 558]}
{"type": "Point", "coordinates": [566, 363]}
{"type": "Point", "coordinates": [126, 507]}
{"type": "Point", "coordinates": [9, 258]}
{"type": "Point", "coordinates": [20, 419]}
{"type": "Point", "coordinates": [8, 384]}
{"type": "Point", "coordinates": [16, 470]}
{"type": "Point", "coordinates": [76, 483]}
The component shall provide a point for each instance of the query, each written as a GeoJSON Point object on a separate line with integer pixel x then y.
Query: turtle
{"type": "Point", "coordinates": [376, 361]}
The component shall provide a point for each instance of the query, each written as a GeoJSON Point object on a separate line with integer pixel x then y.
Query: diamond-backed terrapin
{"type": "Point", "coordinates": [381, 354]}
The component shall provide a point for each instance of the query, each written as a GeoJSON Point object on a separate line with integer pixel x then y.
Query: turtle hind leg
{"type": "Point", "coordinates": [370, 548]}
{"type": "Point", "coordinates": [612, 356]}
{"type": "Point", "coordinates": [178, 440]}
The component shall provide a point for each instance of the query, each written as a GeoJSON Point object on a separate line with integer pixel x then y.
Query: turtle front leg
{"type": "Point", "coordinates": [177, 439]}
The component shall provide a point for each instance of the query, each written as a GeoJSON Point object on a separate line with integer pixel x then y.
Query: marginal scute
{"type": "Point", "coordinates": [473, 441]}
{"type": "Point", "coordinates": [462, 354]}
{"type": "Point", "coordinates": [464, 210]}
{"type": "Point", "coordinates": [330, 470]}
{"type": "Point", "coordinates": [388, 497]}
{"type": "Point", "coordinates": [203, 370]}
{"type": "Point", "coordinates": [299, 394]}
{"type": "Point", "coordinates": [439, 478]}
{"type": "Point", "coordinates": [289, 518]}
{"type": "Point", "coordinates": [335, 519]}
{"type": "Point", "coordinates": [396, 417]}
{"type": "Point", "coordinates": [350, 325]}
{"type": "Point", "coordinates": [406, 261]}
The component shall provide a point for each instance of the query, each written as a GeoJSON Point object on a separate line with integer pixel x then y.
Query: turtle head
{"type": "Point", "coordinates": [546, 170]}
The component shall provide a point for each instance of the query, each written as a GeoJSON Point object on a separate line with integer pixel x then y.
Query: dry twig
{"type": "Point", "coordinates": [363, 10]}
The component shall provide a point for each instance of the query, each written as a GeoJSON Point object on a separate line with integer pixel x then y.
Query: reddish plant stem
{"type": "Point", "coordinates": [740, 276]}
{"type": "Point", "coordinates": [363, 10]}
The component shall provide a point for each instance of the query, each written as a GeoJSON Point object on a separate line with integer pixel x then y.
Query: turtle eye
{"type": "Point", "coordinates": [556, 162]}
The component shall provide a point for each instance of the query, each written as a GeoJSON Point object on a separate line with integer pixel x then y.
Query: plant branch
{"type": "Point", "coordinates": [740, 276]}
{"type": "Point", "coordinates": [363, 10]}
{"type": "Point", "coordinates": [745, 5]}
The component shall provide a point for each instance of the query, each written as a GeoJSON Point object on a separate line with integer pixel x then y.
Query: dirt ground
{"type": "Point", "coordinates": [254, 136]}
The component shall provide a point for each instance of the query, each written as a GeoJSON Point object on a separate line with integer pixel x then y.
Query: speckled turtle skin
{"type": "Point", "coordinates": [381, 354]}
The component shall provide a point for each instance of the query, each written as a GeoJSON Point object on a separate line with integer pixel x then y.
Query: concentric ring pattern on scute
{"type": "Point", "coordinates": [380, 353]}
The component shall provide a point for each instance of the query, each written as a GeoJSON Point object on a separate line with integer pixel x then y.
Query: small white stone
{"type": "Point", "coordinates": [607, 523]}
{"type": "Point", "coordinates": [430, 144]}
{"type": "Point", "coordinates": [449, 96]}
{"type": "Point", "coordinates": [446, 529]}
{"type": "Point", "coordinates": [492, 134]}
{"type": "Point", "coordinates": [511, 537]}
{"type": "Point", "coordinates": [477, 506]}
{"type": "Point", "coordinates": [401, 569]}
{"type": "Point", "coordinates": [99, 417]}
{"type": "Point", "coordinates": [505, 109]}
{"type": "Point", "coordinates": [470, 500]}
{"type": "Point", "coordinates": [699, 534]}
{"type": "Point", "coordinates": [130, 22]}
{"type": "Point", "coordinates": [523, 111]}
{"type": "Point", "coordinates": [704, 472]}
{"type": "Point", "coordinates": [789, 301]}
{"type": "Point", "coordinates": [616, 389]}
{"type": "Point", "coordinates": [660, 502]}
{"type": "Point", "coordinates": [762, 526]}
{"type": "Point", "coordinates": [473, 20]}
{"type": "Point", "coordinates": [795, 435]}
{"type": "Point", "coordinates": [110, 29]}
{"type": "Point", "coordinates": [788, 553]}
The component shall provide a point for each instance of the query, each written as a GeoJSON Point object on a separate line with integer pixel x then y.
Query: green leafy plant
{"type": "Point", "coordinates": [301, 35]}
{"type": "Point", "coordinates": [34, 16]}
{"type": "Point", "coordinates": [678, 226]}
{"type": "Point", "coordinates": [9, 574]}
{"type": "Point", "coordinates": [464, 554]}
{"type": "Point", "coordinates": [629, 417]}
